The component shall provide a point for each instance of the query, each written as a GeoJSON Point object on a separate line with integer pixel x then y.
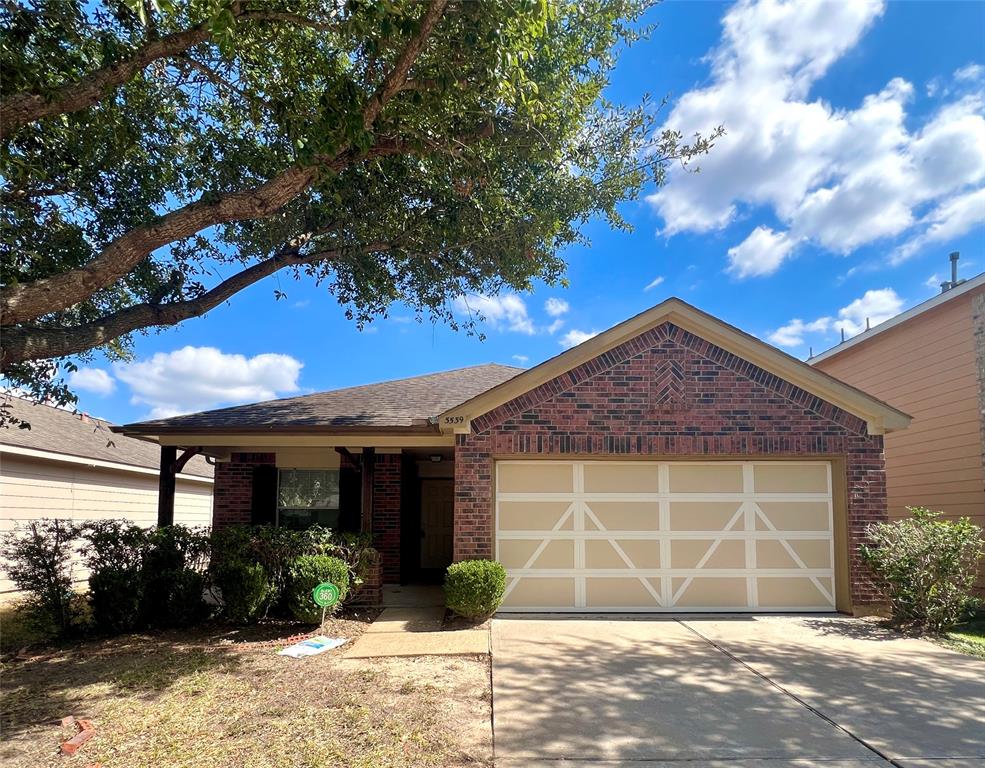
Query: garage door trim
{"type": "Point", "coordinates": [659, 582]}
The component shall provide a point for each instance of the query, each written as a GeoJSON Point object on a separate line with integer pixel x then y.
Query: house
{"type": "Point", "coordinates": [71, 466]}
{"type": "Point", "coordinates": [929, 361]}
{"type": "Point", "coordinates": [672, 462]}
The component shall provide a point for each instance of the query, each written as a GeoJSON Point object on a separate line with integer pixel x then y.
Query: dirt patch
{"type": "Point", "coordinates": [453, 621]}
{"type": "Point", "coordinates": [222, 697]}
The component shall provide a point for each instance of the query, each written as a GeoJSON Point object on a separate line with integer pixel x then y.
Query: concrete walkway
{"type": "Point", "coordinates": [416, 631]}
{"type": "Point", "coordinates": [751, 692]}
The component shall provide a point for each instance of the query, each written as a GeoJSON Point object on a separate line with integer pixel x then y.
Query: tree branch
{"type": "Point", "coordinates": [27, 343]}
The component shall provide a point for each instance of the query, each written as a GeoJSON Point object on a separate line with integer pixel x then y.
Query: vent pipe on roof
{"type": "Point", "coordinates": [954, 282]}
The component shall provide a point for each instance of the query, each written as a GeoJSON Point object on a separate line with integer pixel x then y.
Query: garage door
{"type": "Point", "coordinates": [665, 536]}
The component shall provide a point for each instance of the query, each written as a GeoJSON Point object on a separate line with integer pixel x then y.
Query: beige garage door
{"type": "Point", "coordinates": [665, 536]}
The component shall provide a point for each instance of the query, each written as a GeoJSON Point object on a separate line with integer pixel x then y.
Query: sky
{"type": "Point", "coordinates": [853, 164]}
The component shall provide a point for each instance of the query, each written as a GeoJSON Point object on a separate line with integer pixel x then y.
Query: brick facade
{"type": "Point", "coordinates": [386, 513]}
{"type": "Point", "coordinates": [668, 393]}
{"type": "Point", "coordinates": [232, 493]}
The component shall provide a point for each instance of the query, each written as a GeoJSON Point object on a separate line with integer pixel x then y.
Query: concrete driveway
{"type": "Point", "coordinates": [769, 691]}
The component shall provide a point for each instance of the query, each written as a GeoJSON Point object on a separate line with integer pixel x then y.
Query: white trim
{"type": "Point", "coordinates": [919, 309]}
{"type": "Point", "coordinates": [65, 458]}
{"type": "Point", "coordinates": [741, 526]}
{"type": "Point", "coordinates": [677, 610]}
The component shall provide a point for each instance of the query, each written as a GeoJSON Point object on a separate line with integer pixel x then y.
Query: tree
{"type": "Point", "coordinates": [159, 156]}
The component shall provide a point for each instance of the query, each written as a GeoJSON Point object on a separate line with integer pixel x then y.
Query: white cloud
{"type": "Point", "coordinates": [761, 253]}
{"type": "Point", "coordinates": [556, 307]}
{"type": "Point", "coordinates": [575, 337]}
{"type": "Point", "coordinates": [654, 283]}
{"type": "Point", "coordinates": [873, 307]}
{"type": "Point", "coordinates": [840, 178]}
{"type": "Point", "coordinates": [933, 281]}
{"type": "Point", "coordinates": [198, 378]}
{"type": "Point", "coordinates": [521, 358]}
{"type": "Point", "coordinates": [505, 311]}
{"type": "Point", "coordinates": [969, 73]}
{"type": "Point", "coordinates": [94, 380]}
{"type": "Point", "coordinates": [953, 218]}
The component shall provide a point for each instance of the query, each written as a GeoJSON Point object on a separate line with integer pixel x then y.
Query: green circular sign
{"type": "Point", "coordinates": [325, 595]}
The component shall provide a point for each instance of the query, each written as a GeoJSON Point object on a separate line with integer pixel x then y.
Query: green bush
{"type": "Point", "coordinates": [474, 588]}
{"type": "Point", "coordinates": [172, 581]}
{"type": "Point", "coordinates": [113, 552]}
{"type": "Point", "coordinates": [307, 572]}
{"type": "Point", "coordinates": [926, 567]}
{"type": "Point", "coordinates": [244, 588]}
{"type": "Point", "coordinates": [39, 560]}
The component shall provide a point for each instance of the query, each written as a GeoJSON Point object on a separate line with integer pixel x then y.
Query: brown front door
{"type": "Point", "coordinates": [437, 515]}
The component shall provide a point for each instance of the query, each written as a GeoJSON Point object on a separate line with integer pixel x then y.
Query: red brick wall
{"type": "Point", "coordinates": [386, 513]}
{"type": "Point", "coordinates": [668, 393]}
{"type": "Point", "coordinates": [232, 494]}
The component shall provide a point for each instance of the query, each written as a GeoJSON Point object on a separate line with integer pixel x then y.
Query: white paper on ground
{"type": "Point", "coordinates": [312, 646]}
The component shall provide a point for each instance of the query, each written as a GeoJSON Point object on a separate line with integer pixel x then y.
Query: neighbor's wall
{"type": "Point", "coordinates": [668, 393]}
{"type": "Point", "coordinates": [34, 488]}
{"type": "Point", "coordinates": [933, 368]}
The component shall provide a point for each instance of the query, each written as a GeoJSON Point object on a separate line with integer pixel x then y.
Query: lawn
{"type": "Point", "coordinates": [968, 637]}
{"type": "Point", "coordinates": [219, 697]}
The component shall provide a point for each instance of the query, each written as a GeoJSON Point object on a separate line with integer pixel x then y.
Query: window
{"type": "Point", "coordinates": [307, 497]}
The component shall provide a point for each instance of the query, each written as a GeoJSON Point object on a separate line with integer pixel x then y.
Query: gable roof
{"type": "Point", "coordinates": [57, 432]}
{"type": "Point", "coordinates": [397, 405]}
{"type": "Point", "coordinates": [941, 298]}
{"type": "Point", "coordinates": [878, 415]}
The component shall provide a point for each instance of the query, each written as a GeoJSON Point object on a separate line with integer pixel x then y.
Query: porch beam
{"type": "Point", "coordinates": [166, 485]}
{"type": "Point", "coordinates": [368, 474]}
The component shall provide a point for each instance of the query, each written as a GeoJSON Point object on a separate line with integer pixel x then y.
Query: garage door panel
{"type": "Point", "coordinates": [666, 536]}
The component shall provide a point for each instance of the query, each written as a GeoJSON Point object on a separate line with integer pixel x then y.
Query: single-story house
{"type": "Point", "coordinates": [71, 466]}
{"type": "Point", "coordinates": [929, 361]}
{"type": "Point", "coordinates": [671, 463]}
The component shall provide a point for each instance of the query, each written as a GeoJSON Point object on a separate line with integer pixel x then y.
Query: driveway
{"type": "Point", "coordinates": [771, 691]}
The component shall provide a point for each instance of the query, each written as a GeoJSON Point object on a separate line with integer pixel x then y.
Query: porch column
{"type": "Point", "coordinates": [166, 484]}
{"type": "Point", "coordinates": [368, 477]}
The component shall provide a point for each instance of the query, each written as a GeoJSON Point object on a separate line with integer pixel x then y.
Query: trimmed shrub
{"type": "Point", "coordinates": [113, 553]}
{"type": "Point", "coordinates": [926, 566]}
{"type": "Point", "coordinates": [307, 572]}
{"type": "Point", "coordinates": [474, 588]}
{"type": "Point", "coordinates": [244, 588]}
{"type": "Point", "coordinates": [172, 578]}
{"type": "Point", "coordinates": [39, 560]}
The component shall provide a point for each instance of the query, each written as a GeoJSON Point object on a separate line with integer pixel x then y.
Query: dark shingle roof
{"type": "Point", "coordinates": [73, 434]}
{"type": "Point", "coordinates": [401, 403]}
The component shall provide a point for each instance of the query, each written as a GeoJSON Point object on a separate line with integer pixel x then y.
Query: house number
{"type": "Point", "coordinates": [454, 419]}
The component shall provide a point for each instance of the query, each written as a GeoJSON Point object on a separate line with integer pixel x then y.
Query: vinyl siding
{"type": "Point", "coordinates": [926, 367]}
{"type": "Point", "coordinates": [34, 488]}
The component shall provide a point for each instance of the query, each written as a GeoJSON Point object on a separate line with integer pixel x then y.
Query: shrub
{"type": "Point", "coordinates": [474, 588]}
{"type": "Point", "coordinates": [244, 588]}
{"type": "Point", "coordinates": [113, 552]}
{"type": "Point", "coordinates": [172, 580]}
{"type": "Point", "coordinates": [39, 560]}
{"type": "Point", "coordinates": [307, 572]}
{"type": "Point", "coordinates": [926, 566]}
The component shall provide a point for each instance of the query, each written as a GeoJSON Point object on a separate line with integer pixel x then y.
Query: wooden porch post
{"type": "Point", "coordinates": [368, 472]}
{"type": "Point", "coordinates": [165, 493]}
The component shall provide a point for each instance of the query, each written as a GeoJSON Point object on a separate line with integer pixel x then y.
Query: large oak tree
{"type": "Point", "coordinates": [158, 157]}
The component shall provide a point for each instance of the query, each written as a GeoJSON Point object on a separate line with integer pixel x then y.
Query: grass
{"type": "Point", "coordinates": [968, 637]}
{"type": "Point", "coordinates": [225, 698]}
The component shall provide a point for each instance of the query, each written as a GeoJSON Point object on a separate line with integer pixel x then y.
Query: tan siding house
{"type": "Point", "coordinates": [72, 467]}
{"type": "Point", "coordinates": [929, 362]}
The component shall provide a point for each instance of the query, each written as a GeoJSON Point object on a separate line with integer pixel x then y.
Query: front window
{"type": "Point", "coordinates": [307, 497]}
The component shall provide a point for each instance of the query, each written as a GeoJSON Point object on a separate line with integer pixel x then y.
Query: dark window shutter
{"type": "Point", "coordinates": [350, 492]}
{"type": "Point", "coordinates": [264, 511]}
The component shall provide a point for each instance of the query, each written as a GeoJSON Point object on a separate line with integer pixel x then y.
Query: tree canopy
{"type": "Point", "coordinates": [158, 156]}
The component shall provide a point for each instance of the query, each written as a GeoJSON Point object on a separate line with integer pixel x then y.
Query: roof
{"type": "Point", "coordinates": [400, 404]}
{"type": "Point", "coordinates": [959, 290]}
{"type": "Point", "coordinates": [879, 416]}
{"type": "Point", "coordinates": [59, 431]}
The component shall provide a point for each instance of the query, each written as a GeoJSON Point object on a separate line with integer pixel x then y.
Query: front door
{"type": "Point", "coordinates": [437, 527]}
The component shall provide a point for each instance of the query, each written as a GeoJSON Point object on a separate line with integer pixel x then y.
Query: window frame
{"type": "Point", "coordinates": [277, 505]}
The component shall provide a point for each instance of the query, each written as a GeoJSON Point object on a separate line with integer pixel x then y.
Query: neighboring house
{"type": "Point", "coordinates": [672, 463]}
{"type": "Point", "coordinates": [72, 466]}
{"type": "Point", "coordinates": [929, 361]}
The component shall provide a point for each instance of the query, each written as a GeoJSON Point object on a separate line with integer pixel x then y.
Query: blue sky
{"type": "Point", "coordinates": [854, 163]}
